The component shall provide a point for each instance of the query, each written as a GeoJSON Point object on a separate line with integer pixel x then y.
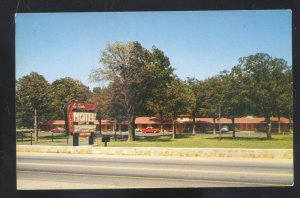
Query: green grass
{"type": "Point", "coordinates": [255, 140]}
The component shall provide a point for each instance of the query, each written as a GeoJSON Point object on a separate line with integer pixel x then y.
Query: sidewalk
{"type": "Point", "coordinates": [155, 151]}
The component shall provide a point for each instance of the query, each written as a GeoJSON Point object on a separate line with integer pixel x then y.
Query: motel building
{"type": "Point", "coordinates": [184, 124]}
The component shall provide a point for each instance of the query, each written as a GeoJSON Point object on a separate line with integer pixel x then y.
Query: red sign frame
{"type": "Point", "coordinates": [80, 106]}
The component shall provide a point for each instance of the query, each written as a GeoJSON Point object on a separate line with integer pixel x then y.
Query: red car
{"type": "Point", "coordinates": [150, 130]}
{"type": "Point", "coordinates": [58, 130]}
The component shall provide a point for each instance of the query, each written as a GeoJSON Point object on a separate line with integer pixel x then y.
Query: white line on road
{"type": "Point", "coordinates": [156, 169]}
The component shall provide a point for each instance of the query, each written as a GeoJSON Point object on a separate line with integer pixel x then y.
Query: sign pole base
{"type": "Point", "coordinates": [75, 139]}
{"type": "Point", "coordinates": [91, 139]}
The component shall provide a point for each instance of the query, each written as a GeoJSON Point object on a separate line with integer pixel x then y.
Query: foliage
{"type": "Point", "coordinates": [141, 82]}
{"type": "Point", "coordinates": [268, 84]}
{"type": "Point", "coordinates": [235, 98]}
{"type": "Point", "coordinates": [199, 92]}
{"type": "Point", "coordinates": [181, 100]}
{"type": "Point", "coordinates": [133, 71]}
{"type": "Point", "coordinates": [32, 93]}
{"type": "Point", "coordinates": [66, 90]}
{"type": "Point", "coordinates": [154, 101]}
{"type": "Point", "coordinates": [108, 102]}
{"type": "Point", "coordinates": [213, 87]}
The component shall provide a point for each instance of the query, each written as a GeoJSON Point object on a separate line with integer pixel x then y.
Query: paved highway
{"type": "Point", "coordinates": [82, 171]}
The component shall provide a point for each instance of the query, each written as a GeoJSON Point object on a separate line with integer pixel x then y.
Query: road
{"type": "Point", "coordinates": [83, 171]}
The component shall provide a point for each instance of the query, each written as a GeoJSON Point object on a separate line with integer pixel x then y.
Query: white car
{"type": "Point", "coordinates": [224, 128]}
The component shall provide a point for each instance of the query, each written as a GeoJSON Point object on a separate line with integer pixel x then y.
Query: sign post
{"type": "Point", "coordinates": [91, 139]}
{"type": "Point", "coordinates": [30, 137]}
{"type": "Point", "coordinates": [22, 136]}
{"type": "Point", "coordinates": [75, 139]}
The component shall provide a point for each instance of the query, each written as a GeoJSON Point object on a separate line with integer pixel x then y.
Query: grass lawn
{"type": "Point", "coordinates": [255, 140]}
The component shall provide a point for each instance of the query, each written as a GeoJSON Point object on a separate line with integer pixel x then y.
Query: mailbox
{"type": "Point", "coordinates": [105, 138]}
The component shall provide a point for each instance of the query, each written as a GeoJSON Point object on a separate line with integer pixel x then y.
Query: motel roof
{"type": "Point", "coordinates": [156, 120]}
{"type": "Point", "coordinates": [103, 122]}
{"type": "Point", "coordinates": [53, 122]}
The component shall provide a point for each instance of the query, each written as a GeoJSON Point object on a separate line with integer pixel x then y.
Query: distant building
{"type": "Point", "coordinates": [184, 124]}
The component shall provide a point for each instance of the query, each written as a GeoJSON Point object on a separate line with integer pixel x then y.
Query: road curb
{"type": "Point", "coordinates": [155, 151]}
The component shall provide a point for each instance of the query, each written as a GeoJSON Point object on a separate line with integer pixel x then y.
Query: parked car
{"type": "Point", "coordinates": [138, 130]}
{"type": "Point", "coordinates": [150, 130]}
{"type": "Point", "coordinates": [58, 130]}
{"type": "Point", "coordinates": [224, 128]}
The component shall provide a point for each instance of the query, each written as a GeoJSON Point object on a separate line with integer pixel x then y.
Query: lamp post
{"type": "Point", "coordinates": [35, 126]}
{"type": "Point", "coordinates": [219, 122]}
{"type": "Point", "coordinates": [214, 126]}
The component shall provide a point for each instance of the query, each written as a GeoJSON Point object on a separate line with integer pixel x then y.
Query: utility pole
{"type": "Point", "coordinates": [115, 128]}
{"type": "Point", "coordinates": [214, 125]}
{"type": "Point", "coordinates": [219, 122]}
{"type": "Point", "coordinates": [35, 126]}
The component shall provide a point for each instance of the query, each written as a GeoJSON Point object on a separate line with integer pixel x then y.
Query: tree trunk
{"type": "Point", "coordinates": [174, 130]}
{"type": "Point", "coordinates": [100, 126]}
{"type": "Point", "coordinates": [161, 122]}
{"type": "Point", "coordinates": [115, 129]}
{"type": "Point", "coordinates": [131, 128]}
{"type": "Point", "coordinates": [220, 135]}
{"type": "Point", "coordinates": [233, 128]}
{"type": "Point", "coordinates": [36, 135]}
{"type": "Point", "coordinates": [279, 125]}
{"type": "Point", "coordinates": [214, 125]}
{"type": "Point", "coordinates": [194, 124]}
{"type": "Point", "coordinates": [130, 103]}
{"type": "Point", "coordinates": [269, 136]}
{"type": "Point", "coordinates": [290, 124]}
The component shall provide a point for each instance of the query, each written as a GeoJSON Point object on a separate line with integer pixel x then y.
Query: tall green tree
{"type": "Point", "coordinates": [211, 106]}
{"type": "Point", "coordinates": [265, 76]}
{"type": "Point", "coordinates": [285, 100]}
{"type": "Point", "coordinates": [235, 98]}
{"type": "Point", "coordinates": [154, 101]}
{"type": "Point", "coordinates": [65, 90]}
{"type": "Point", "coordinates": [284, 94]}
{"type": "Point", "coordinates": [181, 100]}
{"type": "Point", "coordinates": [33, 101]}
{"type": "Point", "coordinates": [108, 103]}
{"type": "Point", "coordinates": [133, 72]}
{"type": "Point", "coordinates": [199, 91]}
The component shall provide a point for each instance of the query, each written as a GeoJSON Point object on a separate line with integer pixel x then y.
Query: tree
{"type": "Point", "coordinates": [235, 97]}
{"type": "Point", "coordinates": [211, 106]}
{"type": "Point", "coordinates": [133, 72]}
{"type": "Point", "coordinates": [284, 99]}
{"type": "Point", "coordinates": [154, 100]}
{"type": "Point", "coordinates": [33, 101]}
{"type": "Point", "coordinates": [264, 76]}
{"type": "Point", "coordinates": [108, 104]}
{"type": "Point", "coordinates": [198, 89]}
{"type": "Point", "coordinates": [181, 100]}
{"type": "Point", "coordinates": [65, 90]}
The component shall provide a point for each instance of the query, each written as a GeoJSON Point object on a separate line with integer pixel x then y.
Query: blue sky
{"type": "Point", "coordinates": [199, 44]}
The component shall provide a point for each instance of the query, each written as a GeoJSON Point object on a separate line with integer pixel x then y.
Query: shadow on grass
{"type": "Point", "coordinates": [162, 138]}
{"type": "Point", "coordinates": [55, 136]}
{"type": "Point", "coordinates": [154, 139]}
{"type": "Point", "coordinates": [246, 138]}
